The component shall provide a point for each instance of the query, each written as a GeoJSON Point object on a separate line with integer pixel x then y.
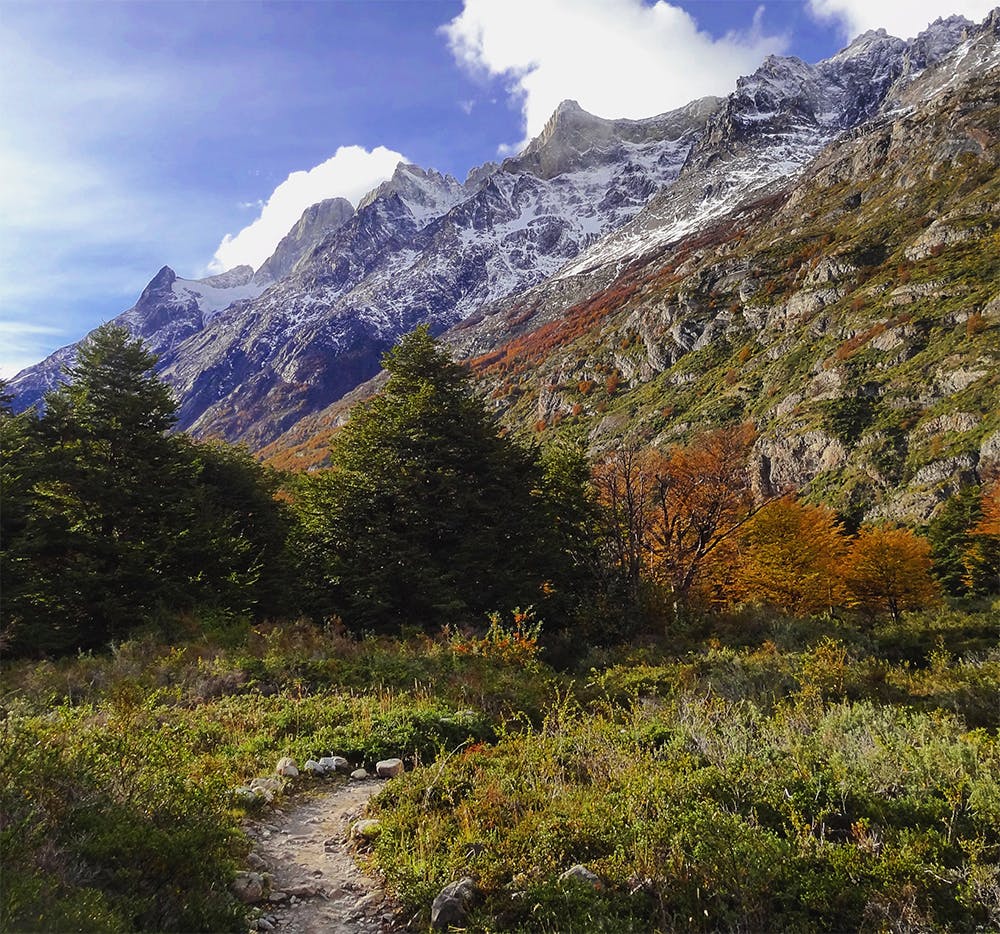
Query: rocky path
{"type": "Point", "coordinates": [316, 887]}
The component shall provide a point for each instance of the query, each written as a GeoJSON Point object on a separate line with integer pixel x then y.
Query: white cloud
{"type": "Point", "coordinates": [351, 172]}
{"type": "Point", "coordinates": [20, 341]}
{"type": "Point", "coordinates": [903, 18]}
{"type": "Point", "coordinates": [617, 58]}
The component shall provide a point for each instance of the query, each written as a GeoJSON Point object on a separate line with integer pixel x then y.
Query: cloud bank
{"type": "Point", "coordinates": [903, 18]}
{"type": "Point", "coordinates": [617, 58]}
{"type": "Point", "coordinates": [351, 172]}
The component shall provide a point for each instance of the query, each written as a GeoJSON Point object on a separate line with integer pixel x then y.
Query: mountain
{"type": "Point", "coordinates": [169, 310]}
{"type": "Point", "coordinates": [837, 284]}
{"type": "Point", "coordinates": [851, 309]}
{"type": "Point", "coordinates": [746, 257]}
{"type": "Point", "coordinates": [422, 247]}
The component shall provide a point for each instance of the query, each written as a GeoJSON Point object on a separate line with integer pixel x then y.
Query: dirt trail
{"type": "Point", "coordinates": [305, 846]}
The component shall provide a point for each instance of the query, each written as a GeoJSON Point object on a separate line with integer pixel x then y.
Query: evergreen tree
{"type": "Point", "coordinates": [103, 526]}
{"type": "Point", "coordinates": [234, 551]}
{"type": "Point", "coordinates": [428, 515]}
{"type": "Point", "coordinates": [20, 468]}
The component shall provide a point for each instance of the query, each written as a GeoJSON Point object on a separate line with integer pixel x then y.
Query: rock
{"type": "Point", "coordinates": [314, 768]}
{"type": "Point", "coordinates": [365, 829]}
{"type": "Point", "coordinates": [286, 766]}
{"type": "Point", "coordinates": [249, 887]}
{"type": "Point", "coordinates": [248, 795]}
{"type": "Point", "coordinates": [358, 774]}
{"type": "Point", "coordinates": [389, 768]}
{"type": "Point", "coordinates": [989, 451]}
{"type": "Point", "coordinates": [453, 902]}
{"type": "Point", "coordinates": [265, 788]}
{"type": "Point", "coordinates": [276, 898]}
{"type": "Point", "coordinates": [580, 873]}
{"type": "Point", "coordinates": [335, 764]}
{"type": "Point", "coordinates": [256, 863]}
{"type": "Point", "coordinates": [304, 891]}
{"type": "Point", "coordinates": [369, 903]}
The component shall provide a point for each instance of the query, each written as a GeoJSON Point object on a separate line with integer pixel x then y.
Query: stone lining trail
{"type": "Point", "coordinates": [316, 887]}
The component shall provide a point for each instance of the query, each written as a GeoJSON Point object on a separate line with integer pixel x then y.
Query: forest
{"type": "Point", "coordinates": [741, 711]}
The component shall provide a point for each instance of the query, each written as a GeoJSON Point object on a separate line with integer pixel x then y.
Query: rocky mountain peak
{"type": "Point", "coordinates": [478, 176]}
{"type": "Point", "coordinates": [936, 41]}
{"type": "Point", "coordinates": [574, 139]}
{"type": "Point", "coordinates": [317, 221]}
{"type": "Point", "coordinates": [425, 192]}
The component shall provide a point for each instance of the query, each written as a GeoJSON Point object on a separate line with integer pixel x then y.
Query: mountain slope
{"type": "Point", "coordinates": [169, 310]}
{"type": "Point", "coordinates": [853, 314]}
{"type": "Point", "coordinates": [422, 248]}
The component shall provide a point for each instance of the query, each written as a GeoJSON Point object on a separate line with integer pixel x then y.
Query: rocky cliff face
{"type": "Point", "coordinates": [316, 222]}
{"type": "Point", "coordinates": [849, 309]}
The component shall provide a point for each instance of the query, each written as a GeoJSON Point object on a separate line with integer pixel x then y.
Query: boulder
{"type": "Point", "coordinates": [365, 829]}
{"type": "Point", "coordinates": [582, 874]}
{"type": "Point", "coordinates": [265, 788]}
{"type": "Point", "coordinates": [314, 768]}
{"type": "Point", "coordinates": [453, 902]}
{"type": "Point", "coordinates": [358, 774]}
{"type": "Point", "coordinates": [250, 887]}
{"type": "Point", "coordinates": [335, 764]}
{"type": "Point", "coordinates": [389, 768]}
{"type": "Point", "coordinates": [286, 767]}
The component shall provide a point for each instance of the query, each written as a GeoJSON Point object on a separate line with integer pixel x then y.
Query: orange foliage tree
{"type": "Point", "coordinates": [701, 497]}
{"type": "Point", "coordinates": [982, 559]}
{"type": "Point", "coordinates": [789, 556]}
{"type": "Point", "coordinates": [889, 570]}
{"type": "Point", "coordinates": [669, 512]}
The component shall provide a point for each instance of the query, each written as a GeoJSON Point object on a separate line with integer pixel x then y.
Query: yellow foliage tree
{"type": "Point", "coordinates": [789, 556]}
{"type": "Point", "coordinates": [889, 570]}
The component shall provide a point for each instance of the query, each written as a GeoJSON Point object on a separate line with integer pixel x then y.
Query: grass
{"type": "Point", "coordinates": [746, 773]}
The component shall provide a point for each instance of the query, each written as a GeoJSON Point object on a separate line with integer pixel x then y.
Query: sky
{"type": "Point", "coordinates": [193, 134]}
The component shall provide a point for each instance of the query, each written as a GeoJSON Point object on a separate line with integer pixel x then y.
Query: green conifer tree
{"type": "Point", "coordinates": [429, 514]}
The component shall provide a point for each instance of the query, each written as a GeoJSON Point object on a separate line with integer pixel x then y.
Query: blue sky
{"type": "Point", "coordinates": [138, 134]}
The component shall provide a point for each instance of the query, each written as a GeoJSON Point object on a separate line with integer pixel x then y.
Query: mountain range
{"type": "Point", "coordinates": [818, 252]}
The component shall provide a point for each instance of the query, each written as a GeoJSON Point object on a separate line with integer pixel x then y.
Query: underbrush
{"type": "Point", "coordinates": [118, 771]}
{"type": "Point", "coordinates": [746, 774]}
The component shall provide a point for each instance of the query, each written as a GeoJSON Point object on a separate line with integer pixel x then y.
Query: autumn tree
{"type": "Point", "coordinates": [625, 481]}
{"type": "Point", "coordinates": [982, 557]}
{"type": "Point", "coordinates": [788, 556]}
{"type": "Point", "coordinates": [668, 512]}
{"type": "Point", "coordinates": [888, 570]}
{"type": "Point", "coordinates": [701, 497]}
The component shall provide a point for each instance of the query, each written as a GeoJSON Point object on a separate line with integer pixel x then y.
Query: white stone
{"type": "Point", "coordinates": [335, 764]}
{"type": "Point", "coordinates": [389, 768]}
{"type": "Point", "coordinates": [580, 873]}
{"type": "Point", "coordinates": [286, 766]}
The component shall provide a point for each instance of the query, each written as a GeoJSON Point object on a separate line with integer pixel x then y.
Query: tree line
{"type": "Point", "coordinates": [429, 515]}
